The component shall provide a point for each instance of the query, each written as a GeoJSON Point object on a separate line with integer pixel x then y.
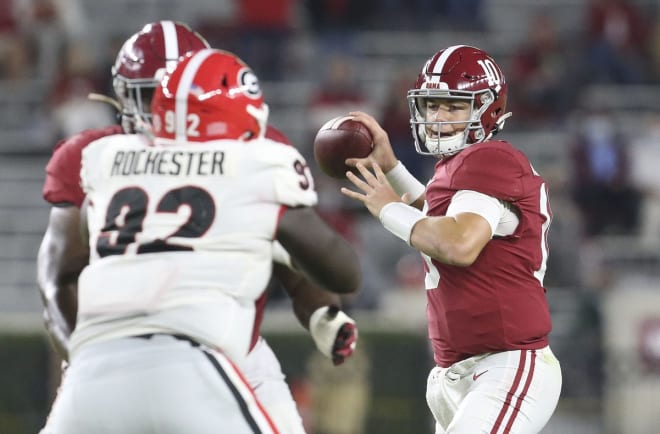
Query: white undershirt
{"type": "Point", "coordinates": [502, 220]}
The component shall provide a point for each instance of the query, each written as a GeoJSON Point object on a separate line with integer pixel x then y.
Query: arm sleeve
{"type": "Point", "coordinates": [502, 219]}
{"type": "Point", "coordinates": [486, 206]}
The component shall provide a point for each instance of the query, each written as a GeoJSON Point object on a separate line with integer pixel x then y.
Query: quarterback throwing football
{"type": "Point", "coordinates": [480, 225]}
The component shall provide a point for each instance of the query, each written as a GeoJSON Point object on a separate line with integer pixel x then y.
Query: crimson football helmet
{"type": "Point", "coordinates": [211, 94]}
{"type": "Point", "coordinates": [141, 63]}
{"type": "Point", "coordinates": [463, 73]}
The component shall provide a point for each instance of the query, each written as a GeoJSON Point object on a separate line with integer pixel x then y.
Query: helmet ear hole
{"type": "Point", "coordinates": [486, 98]}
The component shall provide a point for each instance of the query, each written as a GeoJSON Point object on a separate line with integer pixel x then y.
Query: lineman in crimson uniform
{"type": "Point", "coordinates": [63, 255]}
{"type": "Point", "coordinates": [481, 224]}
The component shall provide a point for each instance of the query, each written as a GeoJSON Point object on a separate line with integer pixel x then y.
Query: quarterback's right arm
{"type": "Point", "coordinates": [62, 256]}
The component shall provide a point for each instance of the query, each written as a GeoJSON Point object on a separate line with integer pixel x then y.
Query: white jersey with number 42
{"type": "Point", "coordinates": [181, 236]}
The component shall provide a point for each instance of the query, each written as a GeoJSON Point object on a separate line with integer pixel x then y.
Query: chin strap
{"type": "Point", "coordinates": [499, 124]}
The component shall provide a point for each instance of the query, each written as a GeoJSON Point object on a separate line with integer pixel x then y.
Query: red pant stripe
{"type": "Point", "coordinates": [519, 402]}
{"type": "Point", "coordinates": [510, 393]}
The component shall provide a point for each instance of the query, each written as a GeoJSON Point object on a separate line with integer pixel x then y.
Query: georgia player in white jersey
{"type": "Point", "coordinates": [63, 255]}
{"type": "Point", "coordinates": [181, 237]}
{"type": "Point", "coordinates": [481, 225]}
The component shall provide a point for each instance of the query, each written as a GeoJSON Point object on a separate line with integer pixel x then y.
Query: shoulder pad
{"type": "Point", "coordinates": [495, 168]}
{"type": "Point", "coordinates": [62, 183]}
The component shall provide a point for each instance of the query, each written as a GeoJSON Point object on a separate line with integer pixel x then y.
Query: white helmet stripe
{"type": "Point", "coordinates": [171, 43]}
{"type": "Point", "coordinates": [183, 90]}
{"type": "Point", "coordinates": [440, 64]}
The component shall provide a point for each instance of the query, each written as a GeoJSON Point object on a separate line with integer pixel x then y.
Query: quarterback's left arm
{"type": "Point", "coordinates": [62, 256]}
{"type": "Point", "coordinates": [455, 240]}
{"type": "Point", "coordinates": [335, 333]}
{"type": "Point", "coordinates": [490, 177]}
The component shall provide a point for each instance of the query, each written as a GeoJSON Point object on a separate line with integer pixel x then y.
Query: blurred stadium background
{"type": "Point", "coordinates": [580, 72]}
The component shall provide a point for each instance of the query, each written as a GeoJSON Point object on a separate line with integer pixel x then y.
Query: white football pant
{"type": "Point", "coordinates": [512, 392]}
{"type": "Point", "coordinates": [263, 372]}
{"type": "Point", "coordinates": [159, 384]}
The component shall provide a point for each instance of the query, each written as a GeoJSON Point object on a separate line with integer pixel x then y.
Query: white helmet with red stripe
{"type": "Point", "coordinates": [211, 94]}
{"type": "Point", "coordinates": [464, 73]}
{"type": "Point", "coordinates": [142, 61]}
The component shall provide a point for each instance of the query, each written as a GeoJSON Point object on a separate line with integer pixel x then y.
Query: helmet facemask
{"type": "Point", "coordinates": [135, 99]}
{"type": "Point", "coordinates": [442, 147]}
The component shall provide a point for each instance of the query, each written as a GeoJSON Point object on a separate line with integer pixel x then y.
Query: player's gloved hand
{"type": "Point", "coordinates": [334, 333]}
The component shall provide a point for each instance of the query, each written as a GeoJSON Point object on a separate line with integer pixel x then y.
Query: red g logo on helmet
{"type": "Point", "coordinates": [210, 94]}
{"type": "Point", "coordinates": [250, 83]}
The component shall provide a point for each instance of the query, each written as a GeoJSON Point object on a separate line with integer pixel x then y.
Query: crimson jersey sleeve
{"type": "Point", "coordinates": [62, 183]}
{"type": "Point", "coordinates": [495, 168]}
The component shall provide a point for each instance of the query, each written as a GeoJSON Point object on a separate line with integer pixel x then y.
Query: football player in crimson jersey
{"type": "Point", "coordinates": [64, 254]}
{"type": "Point", "coordinates": [480, 224]}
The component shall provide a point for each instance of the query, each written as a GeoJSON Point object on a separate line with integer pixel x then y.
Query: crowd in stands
{"type": "Point", "coordinates": [611, 174]}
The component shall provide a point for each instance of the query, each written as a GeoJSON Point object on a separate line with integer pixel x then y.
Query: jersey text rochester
{"type": "Point", "coordinates": [165, 162]}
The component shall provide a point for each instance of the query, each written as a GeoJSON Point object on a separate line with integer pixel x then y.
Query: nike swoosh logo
{"type": "Point", "coordinates": [475, 376]}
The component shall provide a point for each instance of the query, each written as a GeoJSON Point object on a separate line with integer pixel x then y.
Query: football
{"type": "Point", "coordinates": [338, 139]}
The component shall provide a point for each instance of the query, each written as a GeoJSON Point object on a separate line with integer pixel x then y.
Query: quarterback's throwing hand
{"type": "Point", "coordinates": [376, 189]}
